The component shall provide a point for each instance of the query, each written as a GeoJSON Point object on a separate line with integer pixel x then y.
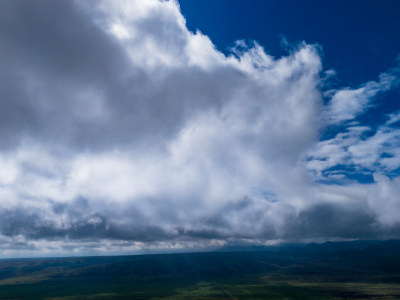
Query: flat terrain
{"type": "Point", "coordinates": [357, 270]}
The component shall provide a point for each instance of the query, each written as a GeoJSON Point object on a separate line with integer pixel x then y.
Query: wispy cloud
{"type": "Point", "coordinates": [346, 104]}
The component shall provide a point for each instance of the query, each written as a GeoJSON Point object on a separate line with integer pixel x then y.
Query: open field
{"type": "Point", "coordinates": [310, 272]}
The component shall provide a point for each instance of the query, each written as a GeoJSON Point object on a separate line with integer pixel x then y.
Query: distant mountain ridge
{"type": "Point", "coordinates": [329, 246]}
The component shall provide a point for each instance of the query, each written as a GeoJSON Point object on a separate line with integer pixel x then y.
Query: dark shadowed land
{"type": "Point", "coordinates": [352, 270]}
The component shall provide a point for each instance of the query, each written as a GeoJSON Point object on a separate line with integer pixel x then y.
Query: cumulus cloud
{"type": "Point", "coordinates": [121, 130]}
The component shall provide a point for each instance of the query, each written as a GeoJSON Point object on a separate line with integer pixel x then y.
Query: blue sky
{"type": "Point", "coordinates": [359, 38]}
{"type": "Point", "coordinates": [152, 126]}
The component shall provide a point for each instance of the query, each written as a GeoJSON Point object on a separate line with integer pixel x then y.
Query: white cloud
{"type": "Point", "coordinates": [347, 103]}
{"type": "Point", "coordinates": [157, 137]}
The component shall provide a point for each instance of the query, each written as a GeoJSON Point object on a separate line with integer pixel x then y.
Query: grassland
{"type": "Point", "coordinates": [315, 272]}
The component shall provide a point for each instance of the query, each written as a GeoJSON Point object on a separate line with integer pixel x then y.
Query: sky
{"type": "Point", "coordinates": [148, 126]}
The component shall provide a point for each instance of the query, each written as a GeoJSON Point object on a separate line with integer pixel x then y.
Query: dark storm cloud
{"type": "Point", "coordinates": [51, 54]}
{"type": "Point", "coordinates": [48, 48]}
{"type": "Point", "coordinates": [35, 226]}
{"type": "Point", "coordinates": [319, 221]}
{"type": "Point", "coordinates": [63, 74]}
{"type": "Point", "coordinates": [59, 39]}
{"type": "Point", "coordinates": [334, 220]}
